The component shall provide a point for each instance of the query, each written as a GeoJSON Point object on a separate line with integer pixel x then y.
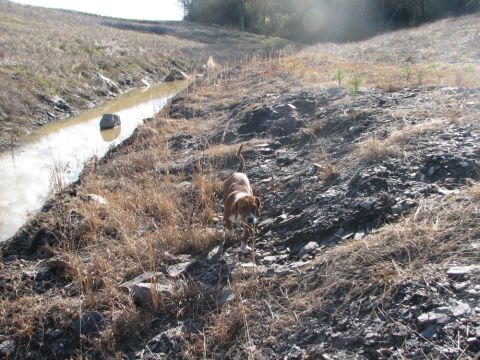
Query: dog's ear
{"type": "Point", "coordinates": [258, 205]}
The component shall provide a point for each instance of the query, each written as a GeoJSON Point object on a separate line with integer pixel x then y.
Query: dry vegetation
{"type": "Point", "coordinates": [46, 53]}
{"type": "Point", "coordinates": [436, 234]}
{"type": "Point", "coordinates": [401, 59]}
{"type": "Point", "coordinates": [153, 214]}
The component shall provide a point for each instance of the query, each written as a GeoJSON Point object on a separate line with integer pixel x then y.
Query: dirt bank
{"type": "Point", "coordinates": [46, 76]}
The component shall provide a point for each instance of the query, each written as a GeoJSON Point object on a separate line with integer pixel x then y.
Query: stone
{"type": "Point", "coordinates": [403, 206]}
{"type": "Point", "coordinates": [215, 253]}
{"type": "Point", "coordinates": [473, 292]}
{"type": "Point", "coordinates": [371, 338]}
{"type": "Point", "coordinates": [298, 264]}
{"type": "Point", "coordinates": [285, 126]}
{"type": "Point", "coordinates": [61, 104]}
{"type": "Point", "coordinates": [7, 348]}
{"type": "Point", "coordinates": [314, 169]}
{"type": "Point", "coordinates": [456, 271]}
{"type": "Point", "coordinates": [430, 331]}
{"type": "Point", "coordinates": [310, 248]}
{"type": "Point", "coordinates": [145, 277]}
{"type": "Point", "coordinates": [432, 317]}
{"type": "Point", "coordinates": [89, 324]}
{"type": "Point", "coordinates": [460, 309]}
{"type": "Point", "coordinates": [176, 74]}
{"type": "Point", "coordinates": [147, 294]}
{"type": "Point", "coordinates": [167, 342]}
{"type": "Point", "coordinates": [180, 268]}
{"type": "Point", "coordinates": [109, 121]}
{"type": "Point", "coordinates": [266, 223]}
{"type": "Point", "coordinates": [359, 235]}
{"type": "Point", "coordinates": [295, 353]}
{"type": "Point", "coordinates": [55, 333]}
{"type": "Point", "coordinates": [126, 80]}
{"type": "Point", "coordinates": [145, 82]}
{"type": "Point", "coordinates": [282, 270]}
{"type": "Point", "coordinates": [112, 85]}
{"type": "Point", "coordinates": [226, 296]}
{"type": "Point", "coordinates": [184, 185]}
{"type": "Point", "coordinates": [50, 269]}
{"type": "Point", "coordinates": [341, 341]}
{"type": "Point", "coordinates": [94, 197]}
{"type": "Point", "coordinates": [270, 259]}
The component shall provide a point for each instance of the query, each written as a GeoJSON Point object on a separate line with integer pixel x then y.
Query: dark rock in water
{"type": "Point", "coordinates": [89, 324]}
{"type": "Point", "coordinates": [109, 121]}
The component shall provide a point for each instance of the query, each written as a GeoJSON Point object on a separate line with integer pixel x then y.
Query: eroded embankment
{"type": "Point", "coordinates": [46, 76]}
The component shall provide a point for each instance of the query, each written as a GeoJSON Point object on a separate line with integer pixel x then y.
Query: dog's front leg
{"type": "Point", "coordinates": [228, 227]}
{"type": "Point", "coordinates": [247, 233]}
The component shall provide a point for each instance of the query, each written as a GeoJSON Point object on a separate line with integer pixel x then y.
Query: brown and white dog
{"type": "Point", "coordinates": [240, 206]}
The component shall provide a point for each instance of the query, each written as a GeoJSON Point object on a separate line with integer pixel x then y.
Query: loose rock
{"type": "Point", "coordinates": [109, 121]}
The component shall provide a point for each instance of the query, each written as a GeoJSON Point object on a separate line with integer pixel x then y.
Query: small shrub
{"type": "Point", "coordinates": [354, 86]}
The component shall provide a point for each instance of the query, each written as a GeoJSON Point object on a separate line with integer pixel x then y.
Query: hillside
{"type": "Point", "coordinates": [51, 60]}
{"type": "Point", "coordinates": [365, 157]}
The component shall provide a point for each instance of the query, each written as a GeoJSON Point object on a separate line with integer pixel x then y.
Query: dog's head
{"type": "Point", "coordinates": [248, 209]}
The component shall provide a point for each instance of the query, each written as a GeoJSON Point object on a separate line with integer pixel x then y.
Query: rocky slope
{"type": "Point", "coordinates": [368, 245]}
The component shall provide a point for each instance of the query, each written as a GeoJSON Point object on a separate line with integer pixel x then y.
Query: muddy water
{"type": "Point", "coordinates": [57, 152]}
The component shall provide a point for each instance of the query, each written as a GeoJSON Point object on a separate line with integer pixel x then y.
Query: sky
{"type": "Point", "coordinates": [127, 9]}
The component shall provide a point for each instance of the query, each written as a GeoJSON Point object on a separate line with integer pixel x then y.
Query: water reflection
{"type": "Point", "coordinates": [110, 134]}
{"type": "Point", "coordinates": [59, 150]}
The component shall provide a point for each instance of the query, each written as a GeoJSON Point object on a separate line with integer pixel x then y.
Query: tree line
{"type": "Point", "coordinates": [321, 20]}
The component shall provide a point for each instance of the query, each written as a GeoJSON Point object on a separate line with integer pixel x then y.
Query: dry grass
{"type": "Point", "coordinates": [46, 53]}
{"type": "Point", "coordinates": [375, 150]}
{"type": "Point", "coordinates": [407, 58]}
{"type": "Point", "coordinates": [437, 232]}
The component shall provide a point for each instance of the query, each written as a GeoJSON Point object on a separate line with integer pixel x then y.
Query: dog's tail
{"type": "Point", "coordinates": [242, 161]}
